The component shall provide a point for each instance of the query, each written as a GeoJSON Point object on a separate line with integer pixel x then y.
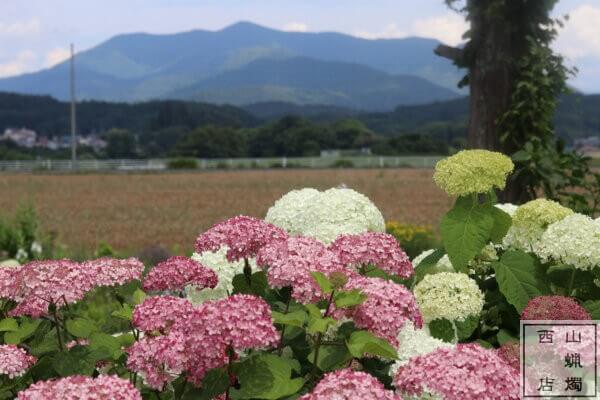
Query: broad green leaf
{"type": "Point", "coordinates": [107, 345]}
{"type": "Point", "coordinates": [564, 275]}
{"type": "Point", "coordinates": [464, 329]}
{"type": "Point", "coordinates": [593, 307]}
{"type": "Point", "coordinates": [484, 344]}
{"type": "Point", "coordinates": [428, 264]}
{"type": "Point", "coordinates": [363, 343]}
{"type": "Point", "coordinates": [81, 327]}
{"type": "Point", "coordinates": [9, 325]}
{"type": "Point", "coordinates": [258, 284]}
{"type": "Point", "coordinates": [443, 329]}
{"type": "Point", "coordinates": [349, 298]}
{"type": "Point", "coordinates": [502, 223]}
{"type": "Point", "coordinates": [330, 356]}
{"type": "Point", "coordinates": [74, 362]}
{"type": "Point", "coordinates": [504, 336]}
{"type": "Point", "coordinates": [125, 312]}
{"type": "Point", "coordinates": [295, 318]}
{"type": "Point", "coordinates": [138, 296]}
{"type": "Point", "coordinates": [519, 278]}
{"type": "Point", "coordinates": [323, 282]}
{"type": "Point", "coordinates": [265, 376]}
{"type": "Point", "coordinates": [214, 383]}
{"type": "Point", "coordinates": [316, 322]}
{"type": "Point", "coordinates": [465, 230]}
{"type": "Point", "coordinates": [26, 329]}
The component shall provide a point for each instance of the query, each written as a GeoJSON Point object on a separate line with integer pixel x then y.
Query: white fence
{"type": "Point", "coordinates": [228, 163]}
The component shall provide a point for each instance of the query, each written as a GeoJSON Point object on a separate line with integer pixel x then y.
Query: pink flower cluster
{"type": "Point", "coordinates": [346, 384]}
{"type": "Point", "coordinates": [34, 286]}
{"type": "Point", "coordinates": [160, 313]}
{"type": "Point", "coordinates": [387, 308]}
{"type": "Point", "coordinates": [244, 236]}
{"type": "Point", "coordinates": [14, 361]}
{"type": "Point", "coordinates": [379, 249]}
{"type": "Point", "coordinates": [290, 263]}
{"type": "Point", "coordinates": [82, 388]}
{"type": "Point", "coordinates": [463, 372]}
{"type": "Point", "coordinates": [558, 308]}
{"type": "Point", "coordinates": [201, 339]}
{"type": "Point", "coordinates": [510, 353]}
{"type": "Point", "coordinates": [177, 272]}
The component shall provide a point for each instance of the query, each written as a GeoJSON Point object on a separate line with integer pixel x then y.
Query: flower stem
{"type": "Point", "coordinates": [287, 308]}
{"type": "Point", "coordinates": [570, 288]}
{"type": "Point", "coordinates": [230, 354]}
{"type": "Point", "coordinates": [247, 272]}
{"type": "Point", "coordinates": [57, 326]}
{"type": "Point", "coordinates": [319, 339]}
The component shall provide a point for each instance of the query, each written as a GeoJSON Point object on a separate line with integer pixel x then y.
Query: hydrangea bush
{"type": "Point", "coordinates": [314, 302]}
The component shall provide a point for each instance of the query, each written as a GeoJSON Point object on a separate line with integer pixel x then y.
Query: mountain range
{"type": "Point", "coordinates": [247, 63]}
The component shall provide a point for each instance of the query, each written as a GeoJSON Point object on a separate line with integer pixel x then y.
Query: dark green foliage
{"type": "Point", "coordinates": [182, 163]}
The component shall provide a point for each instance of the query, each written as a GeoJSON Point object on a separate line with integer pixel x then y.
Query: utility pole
{"type": "Point", "coordinates": [73, 111]}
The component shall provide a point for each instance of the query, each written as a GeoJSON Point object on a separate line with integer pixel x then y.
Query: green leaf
{"type": "Point", "coordinates": [504, 336]}
{"type": "Point", "coordinates": [465, 329]}
{"type": "Point", "coordinates": [139, 296]}
{"type": "Point", "coordinates": [258, 284]}
{"type": "Point", "coordinates": [295, 318]}
{"type": "Point", "coordinates": [265, 376]}
{"type": "Point", "coordinates": [502, 223]}
{"type": "Point", "coordinates": [484, 344]}
{"type": "Point", "coordinates": [593, 307]}
{"type": "Point", "coordinates": [428, 264]}
{"type": "Point", "coordinates": [316, 322]}
{"type": "Point", "coordinates": [349, 298]}
{"type": "Point", "coordinates": [465, 230]}
{"type": "Point", "coordinates": [215, 382]}
{"type": "Point", "coordinates": [443, 329]}
{"type": "Point", "coordinates": [9, 325]}
{"type": "Point", "coordinates": [330, 356]}
{"type": "Point", "coordinates": [323, 282]}
{"type": "Point", "coordinates": [362, 343]}
{"type": "Point", "coordinates": [81, 327]}
{"type": "Point", "coordinates": [107, 345]}
{"type": "Point", "coordinates": [519, 278]}
{"type": "Point", "coordinates": [26, 329]}
{"type": "Point", "coordinates": [125, 312]}
{"type": "Point", "coordinates": [74, 362]}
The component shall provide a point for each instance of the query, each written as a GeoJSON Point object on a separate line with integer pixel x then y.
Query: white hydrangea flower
{"type": "Point", "coordinates": [575, 240]}
{"type": "Point", "coordinates": [508, 208]}
{"type": "Point", "coordinates": [450, 295]}
{"type": "Point", "coordinates": [325, 215]}
{"type": "Point", "coordinates": [21, 255]}
{"type": "Point", "coordinates": [443, 264]}
{"type": "Point", "coordinates": [36, 248]}
{"type": "Point", "coordinates": [414, 342]}
{"type": "Point", "coordinates": [482, 263]}
{"type": "Point", "coordinates": [225, 270]}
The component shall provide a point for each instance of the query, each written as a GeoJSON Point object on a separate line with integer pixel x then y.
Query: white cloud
{"type": "Point", "coordinates": [447, 28]}
{"type": "Point", "coordinates": [390, 31]}
{"type": "Point", "coordinates": [581, 35]}
{"type": "Point", "coordinates": [295, 27]}
{"type": "Point", "coordinates": [22, 63]}
{"type": "Point", "coordinates": [20, 28]}
{"type": "Point", "coordinates": [57, 55]}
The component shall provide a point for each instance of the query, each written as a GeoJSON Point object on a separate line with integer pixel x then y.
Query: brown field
{"type": "Point", "coordinates": [131, 211]}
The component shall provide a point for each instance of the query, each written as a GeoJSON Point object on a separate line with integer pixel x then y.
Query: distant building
{"type": "Point", "coordinates": [22, 137]}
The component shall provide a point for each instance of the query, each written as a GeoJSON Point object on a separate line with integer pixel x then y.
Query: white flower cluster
{"type": "Point", "coordinates": [443, 264]}
{"type": "Point", "coordinates": [575, 241]}
{"type": "Point", "coordinates": [325, 215]}
{"type": "Point", "coordinates": [9, 263]}
{"type": "Point", "coordinates": [508, 208]}
{"type": "Point", "coordinates": [225, 270]}
{"type": "Point", "coordinates": [450, 295]}
{"type": "Point", "coordinates": [414, 342]}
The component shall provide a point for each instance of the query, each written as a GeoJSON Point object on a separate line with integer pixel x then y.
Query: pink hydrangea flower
{"type": "Point", "coordinates": [291, 262]}
{"type": "Point", "coordinates": [240, 322]}
{"type": "Point", "coordinates": [558, 308]}
{"type": "Point", "coordinates": [346, 384]}
{"type": "Point", "coordinates": [14, 361]}
{"type": "Point", "coordinates": [177, 272]}
{"type": "Point", "coordinates": [510, 353]}
{"type": "Point", "coordinates": [82, 388]}
{"type": "Point", "coordinates": [375, 248]}
{"type": "Point", "coordinates": [244, 236]}
{"type": "Point", "coordinates": [159, 360]}
{"type": "Point", "coordinates": [463, 372]}
{"type": "Point", "coordinates": [160, 313]}
{"type": "Point", "coordinates": [113, 271]}
{"type": "Point", "coordinates": [387, 308]}
{"type": "Point", "coordinates": [36, 285]}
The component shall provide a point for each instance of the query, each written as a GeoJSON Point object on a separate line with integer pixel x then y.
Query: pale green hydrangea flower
{"type": "Point", "coordinates": [11, 263]}
{"type": "Point", "coordinates": [450, 295]}
{"type": "Point", "coordinates": [472, 171]}
{"type": "Point", "coordinates": [325, 215]}
{"type": "Point", "coordinates": [531, 220]}
{"type": "Point", "coordinates": [482, 263]}
{"type": "Point", "coordinates": [225, 270]}
{"type": "Point", "coordinates": [443, 264]}
{"type": "Point", "coordinates": [574, 240]}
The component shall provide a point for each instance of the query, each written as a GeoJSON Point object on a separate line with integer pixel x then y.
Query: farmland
{"type": "Point", "coordinates": [133, 211]}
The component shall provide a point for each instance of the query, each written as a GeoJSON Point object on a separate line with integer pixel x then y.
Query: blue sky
{"type": "Point", "coordinates": [35, 34]}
